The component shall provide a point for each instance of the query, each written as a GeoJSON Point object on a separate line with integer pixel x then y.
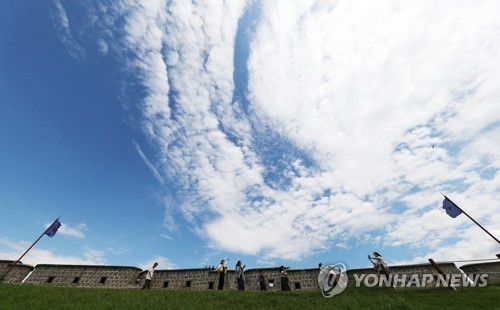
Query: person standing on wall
{"type": "Point", "coordinates": [149, 276]}
{"type": "Point", "coordinates": [222, 273]}
{"type": "Point", "coordinates": [262, 282]}
{"type": "Point", "coordinates": [320, 279]}
{"type": "Point", "coordinates": [284, 279]}
{"type": "Point", "coordinates": [239, 276]}
{"type": "Point", "coordinates": [378, 263]}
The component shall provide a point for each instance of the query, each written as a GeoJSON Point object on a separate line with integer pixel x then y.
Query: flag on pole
{"type": "Point", "coordinates": [451, 209]}
{"type": "Point", "coordinates": [51, 231]}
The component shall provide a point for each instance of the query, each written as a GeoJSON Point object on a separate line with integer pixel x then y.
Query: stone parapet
{"type": "Point", "coordinates": [208, 279]}
{"type": "Point", "coordinates": [492, 270]}
{"type": "Point", "coordinates": [85, 276]}
{"type": "Point", "coordinates": [406, 275]}
{"type": "Point", "coordinates": [17, 274]}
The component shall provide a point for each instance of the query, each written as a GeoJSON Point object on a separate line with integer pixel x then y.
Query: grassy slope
{"type": "Point", "coordinates": [43, 297]}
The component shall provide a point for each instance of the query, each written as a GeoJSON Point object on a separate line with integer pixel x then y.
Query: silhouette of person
{"type": "Point", "coordinates": [262, 282]}
{"type": "Point", "coordinates": [239, 276]}
{"type": "Point", "coordinates": [284, 279]}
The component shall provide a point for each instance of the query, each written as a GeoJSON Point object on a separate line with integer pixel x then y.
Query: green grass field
{"type": "Point", "coordinates": [44, 297]}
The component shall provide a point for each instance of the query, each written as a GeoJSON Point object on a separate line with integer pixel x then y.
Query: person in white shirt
{"type": "Point", "coordinates": [378, 262]}
{"type": "Point", "coordinates": [149, 276]}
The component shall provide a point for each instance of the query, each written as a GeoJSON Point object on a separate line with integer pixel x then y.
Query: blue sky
{"type": "Point", "coordinates": [275, 132]}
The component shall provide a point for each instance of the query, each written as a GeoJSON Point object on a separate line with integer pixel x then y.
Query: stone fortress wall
{"type": "Point", "coordinates": [491, 269]}
{"type": "Point", "coordinates": [207, 279]}
{"type": "Point", "coordinates": [84, 276]}
{"type": "Point", "coordinates": [407, 271]}
{"type": "Point", "coordinates": [17, 274]}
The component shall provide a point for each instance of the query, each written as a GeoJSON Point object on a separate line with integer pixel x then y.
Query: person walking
{"type": "Point", "coordinates": [149, 276]}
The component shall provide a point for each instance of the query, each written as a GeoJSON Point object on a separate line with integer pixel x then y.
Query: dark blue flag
{"type": "Point", "coordinates": [451, 209]}
{"type": "Point", "coordinates": [51, 231]}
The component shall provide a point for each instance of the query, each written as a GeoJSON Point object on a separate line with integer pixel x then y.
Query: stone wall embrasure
{"type": "Point", "coordinates": [204, 279]}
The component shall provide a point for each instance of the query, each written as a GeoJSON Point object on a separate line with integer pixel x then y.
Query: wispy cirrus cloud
{"type": "Point", "coordinates": [64, 32]}
{"type": "Point", "coordinates": [148, 163]}
{"type": "Point", "coordinates": [78, 230]}
{"type": "Point", "coordinates": [352, 116]}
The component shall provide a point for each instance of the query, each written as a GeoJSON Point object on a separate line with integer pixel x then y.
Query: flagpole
{"type": "Point", "coordinates": [472, 219]}
{"type": "Point", "coordinates": [19, 259]}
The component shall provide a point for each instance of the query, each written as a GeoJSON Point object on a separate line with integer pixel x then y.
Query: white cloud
{"type": "Point", "coordinates": [13, 250]}
{"type": "Point", "coordinates": [63, 28]}
{"type": "Point", "coordinates": [163, 263]}
{"type": "Point", "coordinates": [358, 113]}
{"type": "Point", "coordinates": [117, 250]}
{"type": "Point", "coordinates": [103, 46]}
{"type": "Point", "coordinates": [379, 95]}
{"type": "Point", "coordinates": [77, 231]}
{"type": "Point", "coordinates": [471, 245]}
{"type": "Point", "coordinates": [266, 263]}
{"type": "Point", "coordinates": [166, 237]}
{"type": "Point", "coordinates": [148, 163]}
